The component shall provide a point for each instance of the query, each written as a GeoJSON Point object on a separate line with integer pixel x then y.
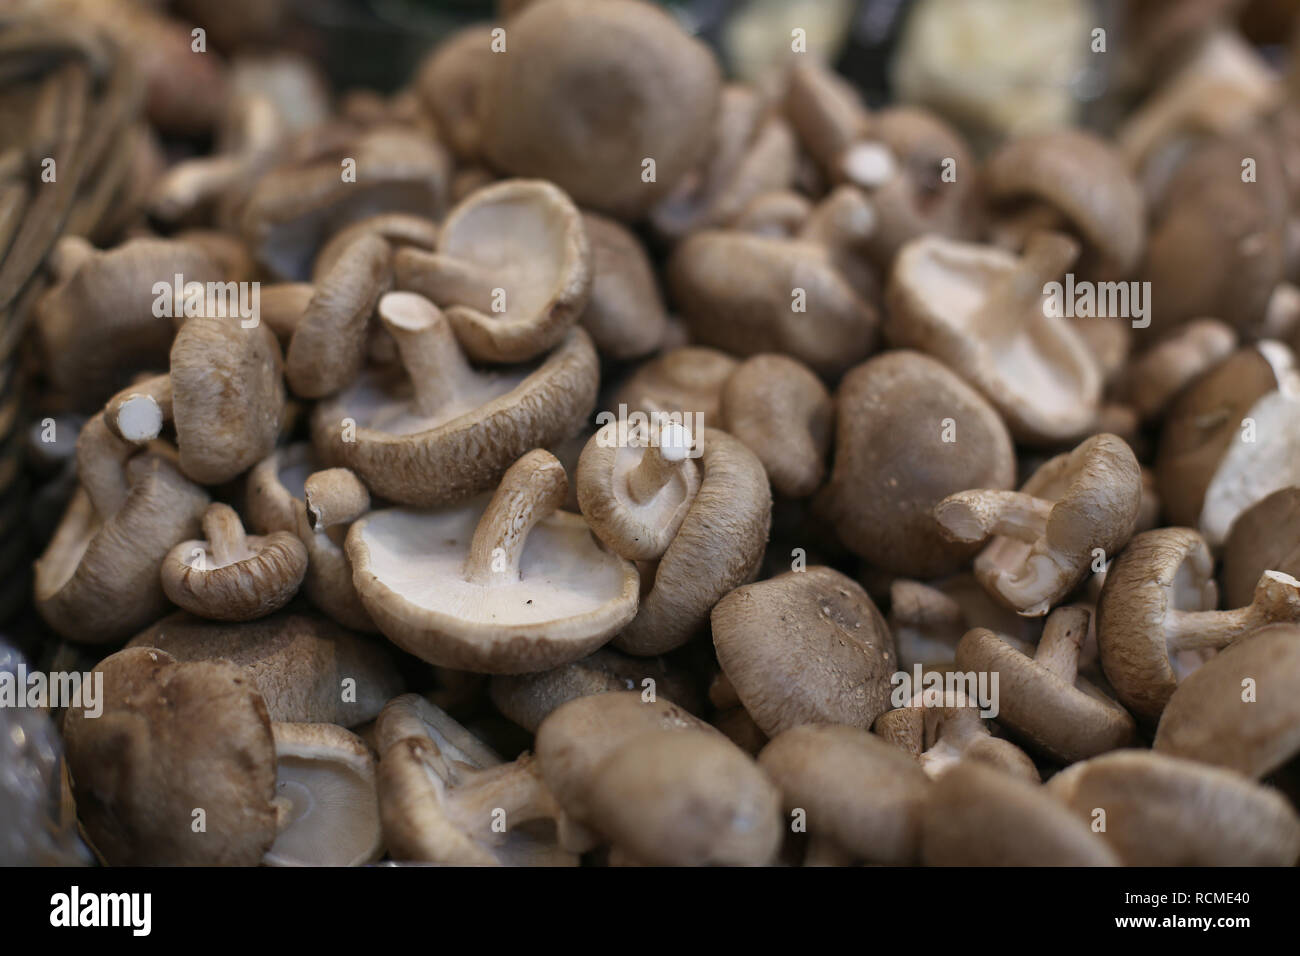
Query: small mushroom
{"type": "Point", "coordinates": [505, 586]}
{"type": "Point", "coordinates": [862, 798]}
{"type": "Point", "coordinates": [978, 816]}
{"type": "Point", "coordinates": [1265, 536]}
{"type": "Point", "coordinates": [306, 668]}
{"type": "Point", "coordinates": [1240, 710]}
{"type": "Point", "coordinates": [1164, 811]}
{"type": "Point", "coordinates": [784, 414]}
{"type": "Point", "coordinates": [1042, 699]}
{"type": "Point", "coordinates": [513, 270]}
{"type": "Point", "coordinates": [450, 430]}
{"type": "Point", "coordinates": [636, 496]}
{"type": "Point", "coordinates": [1046, 535]}
{"type": "Point", "coordinates": [326, 798]}
{"type": "Point", "coordinates": [1155, 377]}
{"type": "Point", "coordinates": [175, 743]}
{"type": "Point", "coordinates": [908, 433]}
{"type": "Point", "coordinates": [684, 381]}
{"type": "Point", "coordinates": [1157, 618]}
{"type": "Point", "coordinates": [829, 662]}
{"type": "Point", "coordinates": [719, 546]}
{"type": "Point", "coordinates": [229, 576]}
{"type": "Point", "coordinates": [981, 312]}
{"type": "Point", "coordinates": [625, 313]}
{"type": "Point", "coordinates": [589, 91]}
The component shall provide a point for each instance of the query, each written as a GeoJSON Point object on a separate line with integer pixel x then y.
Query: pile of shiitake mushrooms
{"type": "Point", "coordinates": [612, 437]}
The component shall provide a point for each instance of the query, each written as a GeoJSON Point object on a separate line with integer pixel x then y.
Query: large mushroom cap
{"type": "Point", "coordinates": [512, 269]}
{"type": "Point", "coordinates": [586, 91]}
{"type": "Point", "coordinates": [174, 739]}
{"type": "Point", "coordinates": [860, 794]}
{"type": "Point", "coordinates": [449, 431]}
{"type": "Point", "coordinates": [806, 647]}
{"type": "Point", "coordinates": [506, 585]}
{"type": "Point", "coordinates": [1164, 811]}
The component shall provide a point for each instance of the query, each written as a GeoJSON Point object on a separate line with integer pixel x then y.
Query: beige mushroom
{"type": "Point", "coordinates": [1154, 378]}
{"type": "Point", "coordinates": [625, 313]}
{"type": "Point", "coordinates": [1264, 537]}
{"type": "Point", "coordinates": [450, 83]}
{"type": "Point", "coordinates": [685, 381]}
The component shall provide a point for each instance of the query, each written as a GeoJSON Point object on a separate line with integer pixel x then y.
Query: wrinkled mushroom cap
{"type": "Point", "coordinates": [174, 738]}
{"type": "Point", "coordinates": [829, 660]}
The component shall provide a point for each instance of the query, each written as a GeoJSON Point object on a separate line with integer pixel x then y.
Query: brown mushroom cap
{"type": "Point", "coordinates": [686, 799]}
{"type": "Point", "coordinates": [892, 464]}
{"type": "Point", "coordinates": [1046, 534]}
{"type": "Point", "coordinates": [98, 580]}
{"type": "Point", "coordinates": [1266, 536]}
{"type": "Point", "coordinates": [1084, 181]}
{"type": "Point", "coordinates": [978, 816]}
{"type": "Point", "coordinates": [229, 576]}
{"type": "Point", "coordinates": [449, 430]}
{"type": "Point", "coordinates": [1041, 699]}
{"type": "Point", "coordinates": [829, 661]}
{"type": "Point", "coordinates": [1212, 718]}
{"type": "Point", "coordinates": [1163, 811]}
{"type": "Point", "coordinates": [1154, 378]}
{"type": "Point", "coordinates": [682, 381]}
{"type": "Point", "coordinates": [307, 668]}
{"type": "Point", "coordinates": [636, 494]}
{"type": "Point", "coordinates": [589, 90]}
{"type": "Point", "coordinates": [783, 413]}
{"type": "Point", "coordinates": [1157, 618]}
{"type": "Point", "coordinates": [450, 82]}
{"type": "Point", "coordinates": [980, 311]}
{"type": "Point", "coordinates": [861, 795]}
{"type": "Point", "coordinates": [513, 270]}
{"type": "Point", "coordinates": [503, 586]}
{"type": "Point", "coordinates": [625, 314]}
{"type": "Point", "coordinates": [718, 547]}
{"type": "Point", "coordinates": [174, 738]}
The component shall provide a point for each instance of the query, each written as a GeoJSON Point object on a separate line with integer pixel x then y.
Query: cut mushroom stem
{"type": "Point", "coordinates": [225, 534]}
{"type": "Point", "coordinates": [334, 496]}
{"type": "Point", "coordinates": [972, 516]}
{"type": "Point", "coordinates": [1018, 296]}
{"type": "Point", "coordinates": [137, 414]}
{"type": "Point", "coordinates": [433, 360]}
{"type": "Point", "coordinates": [532, 489]}
{"type": "Point", "coordinates": [1277, 598]}
{"type": "Point", "coordinates": [661, 462]}
{"type": "Point", "coordinates": [1063, 636]}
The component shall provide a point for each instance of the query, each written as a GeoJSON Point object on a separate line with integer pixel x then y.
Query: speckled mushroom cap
{"type": "Point", "coordinates": [719, 546]}
{"type": "Point", "coordinates": [892, 463]}
{"type": "Point", "coordinates": [97, 580]}
{"type": "Point", "coordinates": [737, 292]}
{"type": "Point", "coordinates": [174, 737]}
{"type": "Point", "coordinates": [1048, 532]}
{"type": "Point", "coordinates": [1042, 699]}
{"type": "Point", "coordinates": [507, 585]}
{"type": "Point", "coordinates": [1086, 183]}
{"type": "Point", "coordinates": [862, 796]}
{"type": "Point", "coordinates": [805, 647]}
{"type": "Point", "coordinates": [449, 430]}
{"type": "Point", "coordinates": [1241, 710]}
{"type": "Point", "coordinates": [1157, 620]}
{"type": "Point", "coordinates": [978, 816]}
{"type": "Point", "coordinates": [683, 381]}
{"type": "Point", "coordinates": [512, 269]}
{"type": "Point", "coordinates": [980, 311]}
{"type": "Point", "coordinates": [299, 663]}
{"type": "Point", "coordinates": [1164, 811]}
{"type": "Point", "coordinates": [587, 90]}
{"type": "Point", "coordinates": [230, 576]}
{"type": "Point", "coordinates": [1264, 537]}
{"type": "Point", "coordinates": [783, 412]}
{"type": "Point", "coordinates": [227, 396]}
{"type": "Point", "coordinates": [636, 494]}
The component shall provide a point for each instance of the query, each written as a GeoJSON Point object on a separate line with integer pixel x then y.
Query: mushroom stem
{"type": "Point", "coordinates": [1063, 636]}
{"type": "Point", "coordinates": [1017, 298]}
{"type": "Point", "coordinates": [530, 490]}
{"type": "Point", "coordinates": [136, 414]}
{"type": "Point", "coordinates": [972, 516]}
{"type": "Point", "coordinates": [510, 793]}
{"type": "Point", "coordinates": [430, 353]}
{"type": "Point", "coordinates": [1277, 599]}
{"type": "Point", "coordinates": [225, 534]}
{"type": "Point", "coordinates": [660, 463]}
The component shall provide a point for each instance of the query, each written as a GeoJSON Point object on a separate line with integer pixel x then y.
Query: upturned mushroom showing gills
{"type": "Point", "coordinates": [504, 586]}
{"type": "Point", "coordinates": [981, 311]}
{"type": "Point", "coordinates": [512, 270]}
{"type": "Point", "coordinates": [1158, 617]}
{"type": "Point", "coordinates": [449, 430]}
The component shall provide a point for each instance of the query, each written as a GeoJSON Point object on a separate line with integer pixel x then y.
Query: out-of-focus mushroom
{"type": "Point", "coordinates": [1154, 378]}
{"type": "Point", "coordinates": [1264, 537]}
{"type": "Point", "coordinates": [625, 313]}
{"type": "Point", "coordinates": [450, 84]}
